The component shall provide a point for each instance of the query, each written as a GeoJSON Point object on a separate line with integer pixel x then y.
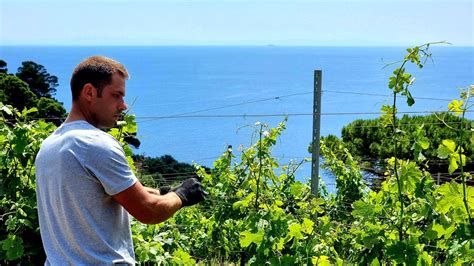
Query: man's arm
{"type": "Point", "coordinates": [153, 191]}
{"type": "Point", "coordinates": [146, 206]}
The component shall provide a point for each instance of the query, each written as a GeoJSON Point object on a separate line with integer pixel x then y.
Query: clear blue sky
{"type": "Point", "coordinates": [236, 22]}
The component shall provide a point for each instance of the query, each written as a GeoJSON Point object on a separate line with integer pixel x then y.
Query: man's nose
{"type": "Point", "coordinates": [123, 106]}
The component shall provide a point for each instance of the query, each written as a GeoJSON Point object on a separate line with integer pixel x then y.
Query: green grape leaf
{"type": "Point", "coordinates": [321, 261]}
{"type": "Point", "coordinates": [387, 115]}
{"type": "Point", "coordinates": [421, 157]}
{"type": "Point", "coordinates": [403, 252]}
{"type": "Point", "coordinates": [443, 152]}
{"type": "Point", "coordinates": [410, 175]}
{"type": "Point", "coordinates": [247, 238]}
{"type": "Point", "coordinates": [456, 106]}
{"type": "Point", "coordinates": [13, 246]}
{"type": "Point", "coordinates": [451, 145]}
{"type": "Point", "coordinates": [387, 109]}
{"type": "Point", "coordinates": [307, 226]}
{"type": "Point", "coordinates": [463, 159]}
{"type": "Point", "coordinates": [363, 209]}
{"type": "Point", "coordinates": [21, 140]}
{"type": "Point", "coordinates": [297, 188]}
{"type": "Point", "coordinates": [114, 132]}
{"type": "Point", "coordinates": [410, 99]}
{"type": "Point", "coordinates": [451, 197]}
{"type": "Point", "coordinates": [406, 77]}
{"type": "Point", "coordinates": [370, 241]}
{"type": "Point", "coordinates": [446, 148]}
{"type": "Point", "coordinates": [26, 112]}
{"type": "Point", "coordinates": [181, 257]}
{"type": "Point", "coordinates": [243, 203]}
{"type": "Point", "coordinates": [22, 212]}
{"type": "Point", "coordinates": [425, 259]}
{"type": "Point", "coordinates": [375, 262]}
{"type": "Point", "coordinates": [392, 82]}
{"type": "Point", "coordinates": [438, 229]}
{"type": "Point", "coordinates": [131, 124]}
{"type": "Point", "coordinates": [431, 234]}
{"type": "Point", "coordinates": [424, 143]}
{"type": "Point", "coordinates": [6, 109]}
{"type": "Point", "coordinates": [453, 165]}
{"type": "Point", "coordinates": [279, 244]}
{"type": "Point", "coordinates": [295, 230]}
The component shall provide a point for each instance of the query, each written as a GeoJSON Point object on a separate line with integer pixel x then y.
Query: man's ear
{"type": "Point", "coordinates": [88, 92]}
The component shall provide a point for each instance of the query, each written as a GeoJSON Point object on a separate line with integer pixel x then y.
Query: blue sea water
{"type": "Point", "coordinates": [238, 82]}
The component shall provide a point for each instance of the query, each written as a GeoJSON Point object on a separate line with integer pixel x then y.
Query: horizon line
{"type": "Point", "coordinates": [222, 45]}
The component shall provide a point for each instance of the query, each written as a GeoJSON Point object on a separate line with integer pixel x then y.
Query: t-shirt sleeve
{"type": "Point", "coordinates": [107, 162]}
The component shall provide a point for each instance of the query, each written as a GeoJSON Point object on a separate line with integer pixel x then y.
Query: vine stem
{"type": "Point", "coordinates": [463, 176]}
{"type": "Point", "coordinates": [15, 168]}
{"type": "Point", "coordinates": [5, 214]}
{"type": "Point", "coordinates": [395, 166]}
{"type": "Point", "coordinates": [394, 132]}
{"type": "Point", "coordinates": [259, 165]}
{"type": "Point", "coordinates": [394, 123]}
{"type": "Point", "coordinates": [120, 132]}
{"type": "Point", "coordinates": [396, 147]}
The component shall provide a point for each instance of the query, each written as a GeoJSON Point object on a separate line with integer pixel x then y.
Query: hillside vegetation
{"type": "Point", "coordinates": [257, 213]}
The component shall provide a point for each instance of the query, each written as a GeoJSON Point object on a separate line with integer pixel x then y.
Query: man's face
{"type": "Point", "coordinates": [109, 107]}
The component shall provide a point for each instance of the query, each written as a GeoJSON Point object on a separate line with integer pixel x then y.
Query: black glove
{"type": "Point", "coordinates": [190, 192]}
{"type": "Point", "coordinates": [165, 189]}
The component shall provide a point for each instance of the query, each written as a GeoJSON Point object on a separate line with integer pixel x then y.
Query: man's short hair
{"type": "Point", "coordinates": [96, 70]}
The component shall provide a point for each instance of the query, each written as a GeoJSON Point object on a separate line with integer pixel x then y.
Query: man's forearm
{"type": "Point", "coordinates": [161, 191]}
{"type": "Point", "coordinates": [153, 191]}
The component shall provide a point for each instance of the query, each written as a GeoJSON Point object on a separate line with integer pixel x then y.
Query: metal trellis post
{"type": "Point", "coordinates": [316, 133]}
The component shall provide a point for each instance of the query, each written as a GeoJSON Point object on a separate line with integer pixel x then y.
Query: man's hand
{"type": "Point", "coordinates": [190, 192]}
{"type": "Point", "coordinates": [165, 189]}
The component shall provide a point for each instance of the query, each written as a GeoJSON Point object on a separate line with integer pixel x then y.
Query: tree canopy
{"type": "Point", "coordinates": [32, 86]}
{"type": "Point", "coordinates": [365, 138]}
{"type": "Point", "coordinates": [38, 79]}
{"type": "Point", "coordinates": [16, 92]}
{"type": "Point", "coordinates": [3, 66]}
{"type": "Point", "coordinates": [163, 170]}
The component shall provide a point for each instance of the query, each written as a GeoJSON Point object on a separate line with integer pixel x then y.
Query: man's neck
{"type": "Point", "coordinates": [77, 114]}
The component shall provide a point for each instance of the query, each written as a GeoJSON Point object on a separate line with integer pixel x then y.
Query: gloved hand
{"type": "Point", "coordinates": [190, 192]}
{"type": "Point", "coordinates": [164, 189]}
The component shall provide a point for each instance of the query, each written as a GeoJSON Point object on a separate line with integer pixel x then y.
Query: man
{"type": "Point", "coordinates": [85, 188]}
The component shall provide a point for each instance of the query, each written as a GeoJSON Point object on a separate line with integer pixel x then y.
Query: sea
{"type": "Point", "coordinates": [193, 102]}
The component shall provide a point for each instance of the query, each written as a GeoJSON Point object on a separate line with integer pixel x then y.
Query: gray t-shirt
{"type": "Point", "coordinates": [78, 169]}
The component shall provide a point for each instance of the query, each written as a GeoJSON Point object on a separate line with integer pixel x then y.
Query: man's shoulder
{"type": "Point", "coordinates": [82, 133]}
{"type": "Point", "coordinates": [83, 129]}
